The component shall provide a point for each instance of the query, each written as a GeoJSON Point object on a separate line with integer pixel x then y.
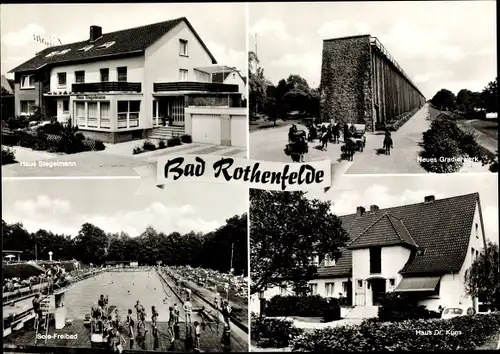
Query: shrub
{"type": "Point", "coordinates": [10, 139]}
{"type": "Point", "coordinates": [175, 141]}
{"type": "Point", "coordinates": [396, 307]}
{"type": "Point", "coordinates": [468, 145]}
{"type": "Point", "coordinates": [52, 128]}
{"type": "Point", "coordinates": [8, 156]}
{"type": "Point", "coordinates": [137, 150]}
{"type": "Point", "coordinates": [99, 145]}
{"type": "Point", "coordinates": [18, 123]}
{"type": "Point", "coordinates": [162, 144]}
{"type": "Point", "coordinates": [80, 136]}
{"type": "Point", "coordinates": [148, 146]}
{"type": "Point", "coordinates": [186, 139]}
{"type": "Point", "coordinates": [464, 332]}
{"type": "Point", "coordinates": [438, 145]}
{"type": "Point", "coordinates": [306, 306]}
{"type": "Point", "coordinates": [332, 311]}
{"type": "Point", "coordinates": [272, 333]}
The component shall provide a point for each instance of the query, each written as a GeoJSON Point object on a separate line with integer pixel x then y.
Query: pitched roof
{"type": "Point", "coordinates": [220, 77]}
{"type": "Point", "coordinates": [132, 41]}
{"type": "Point", "coordinates": [385, 231]}
{"type": "Point", "coordinates": [442, 227]}
{"type": "Point", "coordinates": [342, 267]}
{"type": "Point", "coordinates": [6, 84]}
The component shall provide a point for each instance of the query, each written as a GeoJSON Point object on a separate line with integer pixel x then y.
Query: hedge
{"type": "Point", "coordinates": [8, 156]}
{"type": "Point", "coordinates": [459, 333]}
{"type": "Point", "coordinates": [396, 307]}
{"type": "Point", "coordinates": [272, 333]}
{"type": "Point", "coordinates": [304, 306]}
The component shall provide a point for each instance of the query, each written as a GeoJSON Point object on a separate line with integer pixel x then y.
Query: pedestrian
{"type": "Point", "coordinates": [171, 324]}
{"type": "Point", "coordinates": [154, 317]}
{"type": "Point", "coordinates": [188, 309]}
{"type": "Point", "coordinates": [226, 339]}
{"type": "Point", "coordinates": [130, 325]}
{"type": "Point", "coordinates": [197, 335]}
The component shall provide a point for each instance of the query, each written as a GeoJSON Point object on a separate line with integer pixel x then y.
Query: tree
{"type": "Point", "coordinates": [257, 86]}
{"type": "Point", "coordinates": [489, 96]}
{"type": "Point", "coordinates": [483, 277]}
{"type": "Point", "coordinates": [286, 230]}
{"type": "Point", "coordinates": [91, 243]}
{"type": "Point", "coordinates": [444, 100]}
{"type": "Point", "coordinates": [467, 100]}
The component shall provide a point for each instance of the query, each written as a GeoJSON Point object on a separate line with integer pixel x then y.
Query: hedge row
{"type": "Point", "coordinates": [8, 156]}
{"type": "Point", "coordinates": [304, 306]}
{"type": "Point", "coordinates": [459, 333]}
{"type": "Point", "coordinates": [402, 119]}
{"type": "Point", "coordinates": [148, 145]}
{"type": "Point", "coordinates": [445, 139]}
{"type": "Point", "coordinates": [399, 307]}
{"type": "Point", "coordinates": [272, 333]}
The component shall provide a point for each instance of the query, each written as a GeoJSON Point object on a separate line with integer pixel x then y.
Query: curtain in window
{"type": "Point", "coordinates": [105, 121]}
{"type": "Point", "coordinates": [92, 114]}
{"type": "Point", "coordinates": [80, 113]}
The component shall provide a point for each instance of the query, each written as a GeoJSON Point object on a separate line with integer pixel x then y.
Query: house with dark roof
{"type": "Point", "coordinates": [232, 77]}
{"type": "Point", "coordinates": [127, 84]}
{"type": "Point", "coordinates": [423, 250]}
{"type": "Point", "coordinates": [7, 98]}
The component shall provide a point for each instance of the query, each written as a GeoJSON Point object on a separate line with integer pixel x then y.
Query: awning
{"type": "Point", "coordinates": [418, 284]}
{"type": "Point", "coordinates": [214, 69]}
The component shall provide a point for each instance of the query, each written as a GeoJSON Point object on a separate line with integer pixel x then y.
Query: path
{"type": "Point", "coordinates": [269, 144]}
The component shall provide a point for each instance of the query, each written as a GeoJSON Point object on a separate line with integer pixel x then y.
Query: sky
{"type": "Point", "coordinates": [62, 206]}
{"type": "Point", "coordinates": [439, 44]}
{"type": "Point", "coordinates": [387, 191]}
{"type": "Point", "coordinates": [223, 32]}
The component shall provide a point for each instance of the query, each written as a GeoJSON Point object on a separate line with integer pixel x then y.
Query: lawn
{"type": "Point", "coordinates": [263, 123]}
{"type": "Point", "coordinates": [488, 127]}
{"type": "Point", "coordinates": [491, 344]}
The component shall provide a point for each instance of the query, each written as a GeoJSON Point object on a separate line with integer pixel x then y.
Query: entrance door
{"type": "Point", "coordinates": [378, 289]}
{"type": "Point", "coordinates": [175, 109]}
{"type": "Point", "coordinates": [360, 293]}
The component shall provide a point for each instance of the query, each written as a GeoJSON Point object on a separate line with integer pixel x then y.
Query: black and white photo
{"type": "Point", "coordinates": [96, 89]}
{"type": "Point", "coordinates": [375, 87]}
{"type": "Point", "coordinates": [105, 264]}
{"type": "Point", "coordinates": [386, 263]}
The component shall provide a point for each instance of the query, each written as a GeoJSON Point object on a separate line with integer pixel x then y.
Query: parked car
{"type": "Point", "coordinates": [450, 312]}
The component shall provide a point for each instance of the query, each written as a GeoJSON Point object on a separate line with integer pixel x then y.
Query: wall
{"type": "Point", "coordinates": [235, 79]}
{"type": "Point", "coordinates": [337, 288]}
{"type": "Point", "coordinates": [393, 260]}
{"type": "Point", "coordinates": [346, 81]}
{"type": "Point", "coordinates": [163, 61]}
{"type": "Point", "coordinates": [135, 72]}
{"type": "Point", "coordinates": [33, 94]}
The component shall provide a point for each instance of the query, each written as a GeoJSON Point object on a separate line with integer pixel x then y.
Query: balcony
{"type": "Point", "coordinates": [194, 86]}
{"type": "Point", "coordinates": [109, 86]}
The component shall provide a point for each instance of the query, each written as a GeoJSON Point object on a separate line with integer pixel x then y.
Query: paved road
{"type": "Point", "coordinates": [269, 144]}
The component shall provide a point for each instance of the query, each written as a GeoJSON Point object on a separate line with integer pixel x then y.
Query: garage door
{"type": "Point", "coordinates": [206, 128]}
{"type": "Point", "coordinates": [239, 130]}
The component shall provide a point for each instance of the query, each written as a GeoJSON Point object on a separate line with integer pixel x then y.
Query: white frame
{"type": "Point", "coordinates": [59, 85]}
{"type": "Point", "coordinates": [183, 44]}
{"type": "Point", "coordinates": [118, 74]}
{"type": "Point", "coordinates": [330, 289]}
{"type": "Point", "coordinates": [29, 87]}
{"type": "Point", "coordinates": [128, 113]}
{"type": "Point", "coordinates": [21, 113]}
{"type": "Point", "coordinates": [181, 72]}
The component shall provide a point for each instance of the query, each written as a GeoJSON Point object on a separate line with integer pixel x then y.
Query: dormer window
{"type": "Point", "coordinates": [329, 262]}
{"type": "Point", "coordinates": [106, 45]}
{"type": "Point", "coordinates": [64, 51]}
{"type": "Point", "coordinates": [51, 54]}
{"type": "Point", "coordinates": [421, 251]}
{"type": "Point", "coordinates": [477, 233]}
{"type": "Point", "coordinates": [86, 48]}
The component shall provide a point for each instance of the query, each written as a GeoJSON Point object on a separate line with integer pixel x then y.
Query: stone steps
{"type": "Point", "coordinates": [166, 132]}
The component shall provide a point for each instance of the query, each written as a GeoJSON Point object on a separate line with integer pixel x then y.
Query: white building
{"type": "Point", "coordinates": [423, 250]}
{"type": "Point", "coordinates": [130, 83]}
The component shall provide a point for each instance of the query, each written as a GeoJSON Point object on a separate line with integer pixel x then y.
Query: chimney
{"type": "Point", "coordinates": [95, 33]}
{"type": "Point", "coordinates": [429, 199]}
{"type": "Point", "coordinates": [360, 211]}
{"type": "Point", "coordinates": [374, 207]}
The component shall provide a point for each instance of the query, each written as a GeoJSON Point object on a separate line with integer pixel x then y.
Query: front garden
{"type": "Point", "coordinates": [52, 137]}
{"type": "Point", "coordinates": [446, 146]}
{"type": "Point", "coordinates": [401, 325]}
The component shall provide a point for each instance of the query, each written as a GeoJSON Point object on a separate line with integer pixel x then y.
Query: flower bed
{"type": "Point", "coordinates": [402, 119]}
{"type": "Point", "coordinates": [459, 333]}
{"type": "Point", "coordinates": [148, 145]}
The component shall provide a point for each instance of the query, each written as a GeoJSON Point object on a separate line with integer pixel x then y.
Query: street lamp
{"type": "Point", "coordinates": [50, 256]}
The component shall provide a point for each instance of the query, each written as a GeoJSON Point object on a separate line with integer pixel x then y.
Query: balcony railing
{"type": "Point", "coordinates": [194, 86]}
{"type": "Point", "coordinates": [110, 86]}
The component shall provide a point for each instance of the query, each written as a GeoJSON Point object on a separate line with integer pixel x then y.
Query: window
{"type": "Point", "coordinates": [28, 81]}
{"type": "Point", "coordinates": [375, 260]}
{"type": "Point", "coordinates": [80, 113]}
{"type": "Point", "coordinates": [104, 75]}
{"type": "Point", "coordinates": [92, 114]}
{"type": "Point", "coordinates": [128, 114]}
{"type": "Point", "coordinates": [421, 251]}
{"type": "Point", "coordinates": [27, 108]}
{"type": "Point", "coordinates": [64, 51]}
{"type": "Point", "coordinates": [65, 106]}
{"type": "Point", "coordinates": [105, 121]}
{"type": "Point", "coordinates": [51, 54]}
{"type": "Point", "coordinates": [183, 47]}
{"type": "Point", "coordinates": [345, 286]}
{"type": "Point", "coordinates": [477, 234]}
{"type": "Point", "coordinates": [329, 289]}
{"type": "Point", "coordinates": [80, 77]}
{"type": "Point", "coordinates": [329, 262]}
{"type": "Point", "coordinates": [106, 45]}
{"type": "Point", "coordinates": [392, 282]}
{"type": "Point", "coordinates": [84, 49]}
{"type": "Point", "coordinates": [183, 75]}
{"type": "Point", "coordinates": [283, 291]}
{"type": "Point", "coordinates": [234, 76]}
{"type": "Point", "coordinates": [313, 288]}
{"type": "Point", "coordinates": [472, 253]}
{"type": "Point", "coordinates": [61, 79]}
{"type": "Point", "coordinates": [360, 283]}
{"type": "Point", "coordinates": [122, 73]}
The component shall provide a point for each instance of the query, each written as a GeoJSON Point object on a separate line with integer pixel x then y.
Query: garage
{"type": "Point", "coordinates": [239, 129]}
{"type": "Point", "coordinates": [206, 128]}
